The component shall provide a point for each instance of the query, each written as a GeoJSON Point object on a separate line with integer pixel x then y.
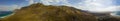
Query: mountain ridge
{"type": "Point", "coordinates": [40, 12]}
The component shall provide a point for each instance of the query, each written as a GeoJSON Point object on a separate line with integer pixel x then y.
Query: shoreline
{"type": "Point", "coordinates": [7, 16]}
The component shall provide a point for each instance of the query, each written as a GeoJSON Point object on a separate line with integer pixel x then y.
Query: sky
{"type": "Point", "coordinates": [117, 2]}
{"type": "Point", "coordinates": [8, 5]}
{"type": "Point", "coordinates": [91, 5]}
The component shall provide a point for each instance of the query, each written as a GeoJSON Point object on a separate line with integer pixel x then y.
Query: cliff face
{"type": "Point", "coordinates": [40, 12]}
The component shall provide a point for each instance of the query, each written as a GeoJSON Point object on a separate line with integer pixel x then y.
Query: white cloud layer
{"type": "Point", "coordinates": [30, 1]}
{"type": "Point", "coordinates": [54, 2]}
{"type": "Point", "coordinates": [8, 8]}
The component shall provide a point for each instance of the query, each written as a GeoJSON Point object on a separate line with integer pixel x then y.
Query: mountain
{"type": "Point", "coordinates": [40, 12]}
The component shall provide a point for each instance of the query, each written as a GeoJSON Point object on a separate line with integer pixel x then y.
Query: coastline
{"type": "Point", "coordinates": [7, 16]}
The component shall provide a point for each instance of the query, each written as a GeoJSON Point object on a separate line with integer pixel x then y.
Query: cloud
{"type": "Point", "coordinates": [55, 2]}
{"type": "Point", "coordinates": [8, 7]}
{"type": "Point", "coordinates": [107, 9]}
{"type": "Point", "coordinates": [30, 1]}
{"type": "Point", "coordinates": [97, 5]}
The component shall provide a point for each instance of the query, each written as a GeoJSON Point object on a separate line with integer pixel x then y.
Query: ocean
{"type": "Point", "coordinates": [5, 13]}
{"type": "Point", "coordinates": [118, 13]}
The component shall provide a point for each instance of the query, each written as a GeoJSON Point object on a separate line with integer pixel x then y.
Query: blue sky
{"type": "Point", "coordinates": [6, 5]}
{"type": "Point", "coordinates": [13, 4]}
{"type": "Point", "coordinates": [117, 2]}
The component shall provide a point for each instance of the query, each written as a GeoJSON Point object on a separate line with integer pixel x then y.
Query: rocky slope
{"type": "Point", "coordinates": [40, 12]}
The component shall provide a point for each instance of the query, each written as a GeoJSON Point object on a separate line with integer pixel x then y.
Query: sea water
{"type": "Point", "coordinates": [5, 13]}
{"type": "Point", "coordinates": [118, 13]}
